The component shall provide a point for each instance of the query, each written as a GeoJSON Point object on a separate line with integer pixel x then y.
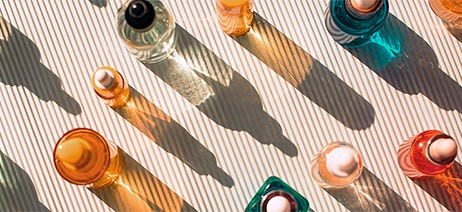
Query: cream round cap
{"type": "Point", "coordinates": [364, 5]}
{"type": "Point", "coordinates": [443, 150]}
{"type": "Point", "coordinates": [278, 204]}
{"type": "Point", "coordinates": [104, 79]}
{"type": "Point", "coordinates": [342, 161]}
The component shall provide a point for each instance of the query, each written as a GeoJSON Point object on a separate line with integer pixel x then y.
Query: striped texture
{"type": "Point", "coordinates": [267, 103]}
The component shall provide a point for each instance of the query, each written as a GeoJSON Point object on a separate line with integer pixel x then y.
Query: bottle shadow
{"type": "Point", "coordinates": [20, 66]}
{"type": "Point", "coordinates": [172, 137]}
{"type": "Point", "coordinates": [307, 74]}
{"type": "Point", "coordinates": [219, 92]}
{"type": "Point", "coordinates": [369, 193]}
{"type": "Point", "coordinates": [446, 188]}
{"type": "Point", "coordinates": [17, 189]}
{"type": "Point", "coordinates": [99, 3]}
{"type": "Point", "coordinates": [138, 190]}
{"type": "Point", "coordinates": [406, 62]}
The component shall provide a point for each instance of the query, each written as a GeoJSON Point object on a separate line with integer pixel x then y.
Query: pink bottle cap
{"type": "Point", "coordinates": [104, 79]}
{"type": "Point", "coordinates": [364, 6]}
{"type": "Point", "coordinates": [342, 161]}
{"type": "Point", "coordinates": [443, 150]}
{"type": "Point", "coordinates": [278, 204]}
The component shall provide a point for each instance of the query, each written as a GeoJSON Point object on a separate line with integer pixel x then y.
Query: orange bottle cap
{"type": "Point", "coordinates": [234, 3]}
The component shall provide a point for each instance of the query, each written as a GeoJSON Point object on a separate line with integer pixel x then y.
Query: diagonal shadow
{"type": "Point", "coordinates": [171, 137]}
{"type": "Point", "coordinates": [307, 74]}
{"type": "Point", "coordinates": [20, 66]}
{"type": "Point", "coordinates": [219, 92]}
{"type": "Point", "coordinates": [369, 193]}
{"type": "Point", "coordinates": [138, 190]}
{"type": "Point", "coordinates": [445, 188]}
{"type": "Point", "coordinates": [17, 191]}
{"type": "Point", "coordinates": [406, 62]}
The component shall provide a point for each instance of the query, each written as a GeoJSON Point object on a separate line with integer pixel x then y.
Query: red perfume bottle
{"type": "Point", "coordinates": [430, 153]}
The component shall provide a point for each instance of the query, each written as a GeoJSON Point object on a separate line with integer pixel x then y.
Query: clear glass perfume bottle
{"type": "Point", "coordinates": [449, 11]}
{"type": "Point", "coordinates": [352, 23]}
{"type": "Point", "coordinates": [110, 86]}
{"type": "Point", "coordinates": [430, 153]}
{"type": "Point", "coordinates": [276, 196]}
{"type": "Point", "coordinates": [147, 29]}
{"type": "Point", "coordinates": [235, 16]}
{"type": "Point", "coordinates": [337, 165]}
{"type": "Point", "coordinates": [83, 157]}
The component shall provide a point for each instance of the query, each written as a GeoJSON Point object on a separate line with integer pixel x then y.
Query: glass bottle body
{"type": "Point", "coordinates": [321, 173]}
{"type": "Point", "coordinates": [449, 11]}
{"type": "Point", "coordinates": [116, 96]}
{"type": "Point", "coordinates": [350, 28]}
{"type": "Point", "coordinates": [154, 43]}
{"type": "Point", "coordinates": [235, 17]}
{"type": "Point", "coordinates": [103, 166]}
{"type": "Point", "coordinates": [273, 187]}
{"type": "Point", "coordinates": [413, 156]}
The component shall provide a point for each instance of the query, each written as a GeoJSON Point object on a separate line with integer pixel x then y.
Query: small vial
{"type": "Point", "coordinates": [276, 196]}
{"type": "Point", "coordinates": [449, 11]}
{"type": "Point", "coordinates": [430, 153]}
{"type": "Point", "coordinates": [353, 22]}
{"type": "Point", "coordinates": [110, 86]}
{"type": "Point", "coordinates": [235, 16]}
{"type": "Point", "coordinates": [147, 29]}
{"type": "Point", "coordinates": [337, 165]}
{"type": "Point", "coordinates": [83, 157]}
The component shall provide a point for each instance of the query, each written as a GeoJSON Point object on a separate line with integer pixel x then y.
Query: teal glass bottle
{"type": "Point", "coordinates": [147, 28]}
{"type": "Point", "coordinates": [276, 195]}
{"type": "Point", "coordinates": [352, 23]}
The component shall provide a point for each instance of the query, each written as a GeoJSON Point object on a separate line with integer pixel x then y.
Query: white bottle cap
{"type": "Point", "coordinates": [104, 79]}
{"type": "Point", "coordinates": [342, 161]}
{"type": "Point", "coordinates": [443, 150]}
{"type": "Point", "coordinates": [278, 204]}
{"type": "Point", "coordinates": [364, 5]}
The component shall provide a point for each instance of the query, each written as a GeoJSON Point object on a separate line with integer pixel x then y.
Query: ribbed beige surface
{"type": "Point", "coordinates": [253, 107]}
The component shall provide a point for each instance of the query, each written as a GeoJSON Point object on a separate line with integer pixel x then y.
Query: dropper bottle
{"type": "Point", "coordinates": [83, 157]}
{"type": "Point", "coordinates": [430, 153]}
{"type": "Point", "coordinates": [110, 86]}
{"type": "Point", "coordinates": [449, 11]}
{"type": "Point", "coordinates": [352, 23]}
{"type": "Point", "coordinates": [235, 16]}
{"type": "Point", "coordinates": [337, 165]}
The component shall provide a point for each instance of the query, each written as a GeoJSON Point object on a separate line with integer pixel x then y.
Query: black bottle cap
{"type": "Point", "coordinates": [140, 14]}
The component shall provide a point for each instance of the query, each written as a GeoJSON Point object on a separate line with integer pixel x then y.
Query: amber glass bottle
{"type": "Point", "coordinates": [110, 86]}
{"type": "Point", "coordinates": [235, 16]}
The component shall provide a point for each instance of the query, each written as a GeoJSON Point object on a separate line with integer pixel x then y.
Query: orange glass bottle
{"type": "Point", "coordinates": [110, 86]}
{"type": "Point", "coordinates": [429, 153]}
{"type": "Point", "coordinates": [235, 16]}
{"type": "Point", "coordinates": [449, 11]}
{"type": "Point", "coordinates": [83, 157]}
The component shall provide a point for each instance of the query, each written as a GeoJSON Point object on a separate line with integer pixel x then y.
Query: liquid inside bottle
{"type": "Point", "coordinates": [147, 29]}
{"type": "Point", "coordinates": [276, 196]}
{"type": "Point", "coordinates": [337, 165]}
{"type": "Point", "coordinates": [430, 153]}
{"type": "Point", "coordinates": [235, 16]}
{"type": "Point", "coordinates": [353, 22]}
{"type": "Point", "coordinates": [83, 157]}
{"type": "Point", "coordinates": [110, 86]}
{"type": "Point", "coordinates": [449, 11]}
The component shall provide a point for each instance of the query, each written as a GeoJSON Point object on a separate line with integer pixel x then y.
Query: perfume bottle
{"type": "Point", "coordinates": [430, 153]}
{"type": "Point", "coordinates": [83, 157]}
{"type": "Point", "coordinates": [337, 165]}
{"type": "Point", "coordinates": [235, 16]}
{"type": "Point", "coordinates": [449, 11]}
{"type": "Point", "coordinates": [147, 29]}
{"type": "Point", "coordinates": [352, 23]}
{"type": "Point", "coordinates": [110, 86]}
{"type": "Point", "coordinates": [276, 196]}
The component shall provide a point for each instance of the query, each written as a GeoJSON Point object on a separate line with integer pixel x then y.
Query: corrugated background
{"type": "Point", "coordinates": [230, 112]}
